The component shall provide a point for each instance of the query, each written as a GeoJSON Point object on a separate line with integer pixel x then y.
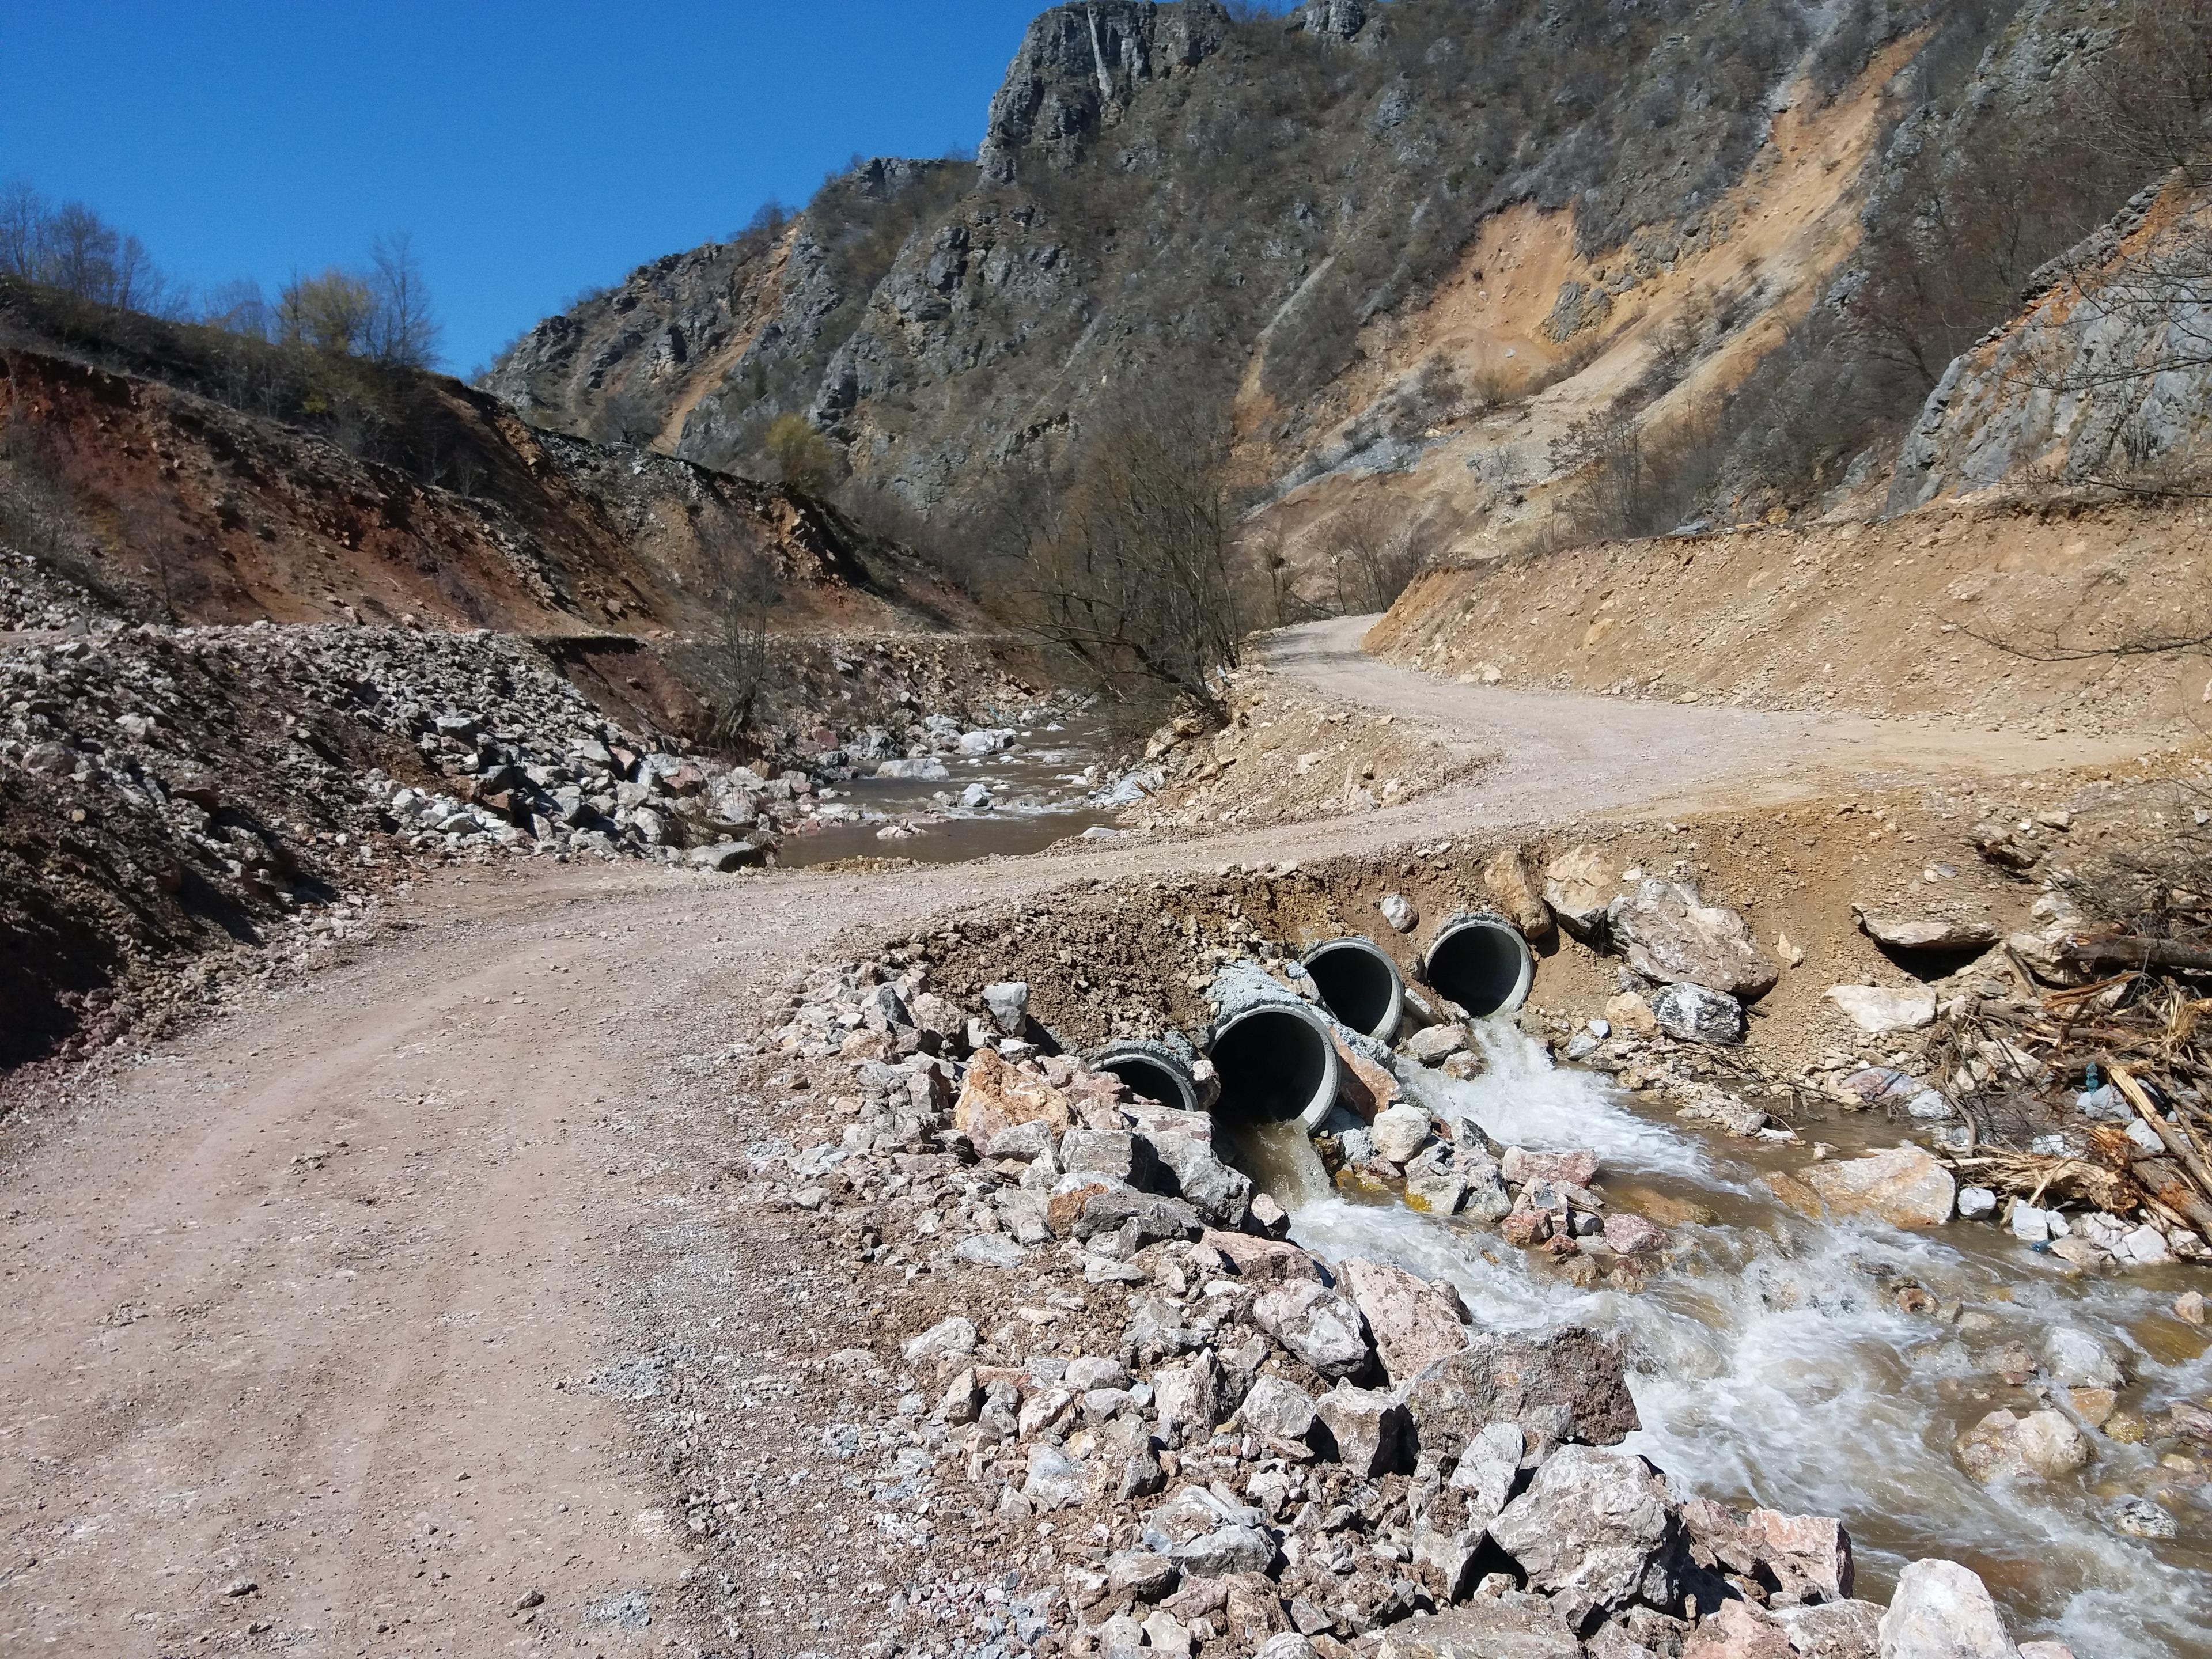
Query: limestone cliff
{"type": "Point", "coordinates": [2105, 376]}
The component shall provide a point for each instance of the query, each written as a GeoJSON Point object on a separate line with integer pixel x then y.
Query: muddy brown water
{"type": "Point", "coordinates": [1044, 789]}
{"type": "Point", "coordinates": [1777, 1366]}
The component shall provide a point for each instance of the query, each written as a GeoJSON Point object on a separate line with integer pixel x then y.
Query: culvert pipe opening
{"type": "Point", "coordinates": [1273, 1055]}
{"type": "Point", "coordinates": [1359, 984]}
{"type": "Point", "coordinates": [1276, 1064]}
{"type": "Point", "coordinates": [1481, 963]}
{"type": "Point", "coordinates": [1152, 1070]}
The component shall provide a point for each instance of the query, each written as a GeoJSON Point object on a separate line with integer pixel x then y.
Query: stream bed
{"type": "Point", "coordinates": [1048, 783]}
{"type": "Point", "coordinates": [1777, 1367]}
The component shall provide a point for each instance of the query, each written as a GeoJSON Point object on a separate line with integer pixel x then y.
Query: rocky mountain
{"type": "Point", "coordinates": [1531, 274]}
{"type": "Point", "coordinates": [1167, 196]}
{"type": "Point", "coordinates": [2103, 377]}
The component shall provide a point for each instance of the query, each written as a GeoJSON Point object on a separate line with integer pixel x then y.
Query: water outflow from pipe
{"type": "Point", "coordinates": [1781, 1370]}
{"type": "Point", "coordinates": [1481, 961]}
{"type": "Point", "coordinates": [1151, 1069]}
{"type": "Point", "coordinates": [1359, 984]}
{"type": "Point", "coordinates": [1273, 1052]}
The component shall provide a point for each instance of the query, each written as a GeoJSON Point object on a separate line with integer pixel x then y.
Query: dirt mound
{"type": "Point", "coordinates": [1982, 612]}
{"type": "Point", "coordinates": [1286, 755]}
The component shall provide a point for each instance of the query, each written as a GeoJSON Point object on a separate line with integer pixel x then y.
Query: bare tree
{"type": "Point", "coordinates": [1125, 575]}
{"type": "Point", "coordinates": [404, 331]}
{"type": "Point", "coordinates": [1378, 549]}
{"type": "Point", "coordinates": [72, 248]}
{"type": "Point", "coordinates": [2144, 101]}
{"type": "Point", "coordinates": [1603, 454]}
{"type": "Point", "coordinates": [736, 658]}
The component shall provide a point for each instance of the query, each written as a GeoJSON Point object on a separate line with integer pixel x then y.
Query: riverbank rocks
{"type": "Point", "coordinates": [1578, 1167]}
{"type": "Point", "coordinates": [1182, 1145]}
{"type": "Point", "coordinates": [1878, 1011]}
{"type": "Point", "coordinates": [1696, 1013]}
{"type": "Point", "coordinates": [1432, 1045]}
{"type": "Point", "coordinates": [1833, 1630]}
{"type": "Point", "coordinates": [1008, 1004]}
{"type": "Point", "coordinates": [1739, 1631]}
{"type": "Point", "coordinates": [1369, 1427]}
{"type": "Point", "coordinates": [1514, 889]}
{"type": "Point", "coordinates": [1800, 1557]}
{"type": "Point", "coordinates": [1578, 886]}
{"type": "Point", "coordinates": [1398, 1132]}
{"type": "Point", "coordinates": [1317, 1324]}
{"type": "Point", "coordinates": [1592, 1530]}
{"type": "Point", "coordinates": [1277, 1409]}
{"type": "Point", "coordinates": [1414, 1321]}
{"type": "Point", "coordinates": [1514, 1625]}
{"type": "Point", "coordinates": [997, 1094]}
{"type": "Point", "coordinates": [1902, 933]}
{"type": "Point", "coordinates": [1671, 935]}
{"type": "Point", "coordinates": [1564, 1386]}
{"type": "Point", "coordinates": [1630, 1012]}
{"type": "Point", "coordinates": [1904, 1185]}
{"type": "Point", "coordinates": [2005, 1446]}
{"type": "Point", "coordinates": [1943, 1611]}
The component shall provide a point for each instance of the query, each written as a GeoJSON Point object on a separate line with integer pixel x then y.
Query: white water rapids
{"type": "Point", "coordinates": [1776, 1367]}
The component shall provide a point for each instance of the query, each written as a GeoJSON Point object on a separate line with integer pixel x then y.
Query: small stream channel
{"type": "Point", "coordinates": [1779, 1369]}
{"type": "Point", "coordinates": [1050, 783]}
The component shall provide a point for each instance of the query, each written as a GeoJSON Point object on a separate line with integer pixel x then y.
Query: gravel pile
{"type": "Point", "coordinates": [1104, 1373]}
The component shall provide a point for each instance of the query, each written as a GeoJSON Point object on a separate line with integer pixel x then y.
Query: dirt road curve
{"type": "Point", "coordinates": [332, 1299]}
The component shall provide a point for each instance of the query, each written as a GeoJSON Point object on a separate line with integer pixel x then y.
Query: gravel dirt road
{"type": "Point", "coordinates": [317, 1318]}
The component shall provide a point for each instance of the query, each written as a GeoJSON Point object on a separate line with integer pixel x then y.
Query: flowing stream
{"type": "Point", "coordinates": [1046, 786]}
{"type": "Point", "coordinates": [1778, 1368]}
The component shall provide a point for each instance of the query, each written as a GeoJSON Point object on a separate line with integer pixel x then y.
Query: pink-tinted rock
{"type": "Point", "coordinates": [1266, 1259]}
{"type": "Point", "coordinates": [1577, 1168]}
{"type": "Point", "coordinates": [1806, 1556]}
{"type": "Point", "coordinates": [1738, 1630]}
{"type": "Point", "coordinates": [1526, 1228]}
{"type": "Point", "coordinates": [1631, 1235]}
{"type": "Point", "coordinates": [1414, 1321]}
{"type": "Point", "coordinates": [995, 1095]}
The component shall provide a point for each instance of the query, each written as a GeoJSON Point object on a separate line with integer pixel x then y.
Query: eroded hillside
{"type": "Point", "coordinates": [2020, 618]}
{"type": "Point", "coordinates": [167, 504]}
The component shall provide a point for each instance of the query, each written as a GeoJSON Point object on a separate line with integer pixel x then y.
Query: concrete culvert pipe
{"type": "Point", "coordinates": [1271, 1050]}
{"type": "Point", "coordinates": [1360, 985]}
{"type": "Point", "coordinates": [1481, 961]}
{"type": "Point", "coordinates": [1151, 1069]}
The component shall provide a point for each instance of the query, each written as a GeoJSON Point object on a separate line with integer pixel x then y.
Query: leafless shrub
{"type": "Point", "coordinates": [732, 664]}
{"type": "Point", "coordinates": [1122, 566]}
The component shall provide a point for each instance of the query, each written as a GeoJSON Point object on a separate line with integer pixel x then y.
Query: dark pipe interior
{"type": "Point", "coordinates": [1477, 966]}
{"type": "Point", "coordinates": [1356, 984]}
{"type": "Point", "coordinates": [1270, 1064]}
{"type": "Point", "coordinates": [1149, 1078]}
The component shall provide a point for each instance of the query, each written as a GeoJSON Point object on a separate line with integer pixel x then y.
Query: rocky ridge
{"type": "Point", "coordinates": [925, 317]}
{"type": "Point", "coordinates": [2099, 379]}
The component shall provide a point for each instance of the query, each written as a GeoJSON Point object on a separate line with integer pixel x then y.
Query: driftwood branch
{"type": "Point", "coordinates": [2137, 953]}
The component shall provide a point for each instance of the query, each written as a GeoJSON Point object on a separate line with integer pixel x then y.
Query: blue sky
{"type": "Point", "coordinates": [531, 149]}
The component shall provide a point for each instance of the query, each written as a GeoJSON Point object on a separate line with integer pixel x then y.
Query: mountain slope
{"type": "Point", "coordinates": [180, 505]}
{"type": "Point", "coordinates": [1528, 274]}
{"type": "Point", "coordinates": [1163, 194]}
{"type": "Point", "coordinates": [2103, 378]}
